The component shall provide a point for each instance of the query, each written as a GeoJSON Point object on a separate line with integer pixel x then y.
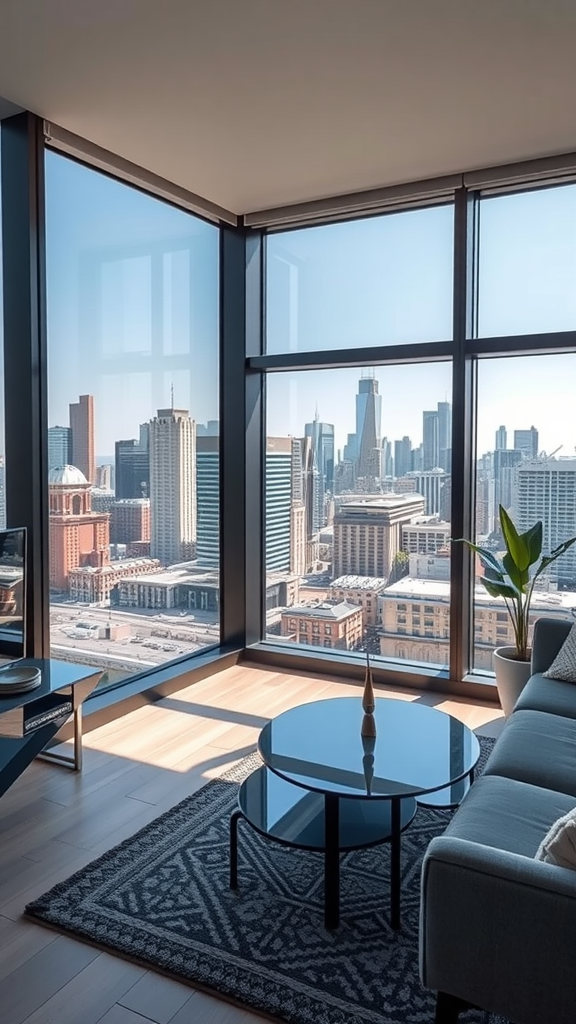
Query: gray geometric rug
{"type": "Point", "coordinates": [162, 898]}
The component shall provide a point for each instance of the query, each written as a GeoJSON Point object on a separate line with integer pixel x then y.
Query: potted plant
{"type": "Point", "coordinates": [512, 579]}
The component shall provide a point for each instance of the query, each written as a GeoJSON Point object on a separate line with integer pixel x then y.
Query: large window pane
{"type": "Point", "coordinates": [133, 424]}
{"type": "Point", "coordinates": [2, 439]}
{"type": "Point", "coordinates": [380, 281]}
{"type": "Point", "coordinates": [527, 463]}
{"type": "Point", "coordinates": [527, 265]}
{"type": "Point", "coordinates": [357, 490]}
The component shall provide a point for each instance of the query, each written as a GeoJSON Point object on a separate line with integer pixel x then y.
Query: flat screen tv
{"type": "Point", "coordinates": [12, 595]}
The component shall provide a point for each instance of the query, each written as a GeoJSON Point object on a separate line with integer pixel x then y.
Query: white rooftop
{"type": "Point", "coordinates": [416, 589]}
{"type": "Point", "coordinates": [359, 582]}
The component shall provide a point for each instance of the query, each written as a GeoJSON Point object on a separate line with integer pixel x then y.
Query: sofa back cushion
{"type": "Point", "coordinates": [564, 665]}
{"type": "Point", "coordinates": [559, 844]}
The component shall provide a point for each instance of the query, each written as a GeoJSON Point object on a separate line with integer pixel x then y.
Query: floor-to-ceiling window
{"type": "Point", "coordinates": [526, 433]}
{"type": "Point", "coordinates": [357, 462]}
{"type": "Point", "coordinates": [133, 423]}
{"type": "Point", "coordinates": [2, 442]}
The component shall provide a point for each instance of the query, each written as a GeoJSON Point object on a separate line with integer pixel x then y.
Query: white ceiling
{"type": "Point", "coordinates": [257, 103]}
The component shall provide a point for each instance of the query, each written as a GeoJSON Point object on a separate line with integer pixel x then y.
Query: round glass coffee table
{"type": "Point", "coordinates": [327, 788]}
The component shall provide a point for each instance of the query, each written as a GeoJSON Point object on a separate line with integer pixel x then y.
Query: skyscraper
{"type": "Point", "coordinates": [444, 436]}
{"type": "Point", "coordinates": [430, 440]}
{"type": "Point", "coordinates": [208, 500]}
{"type": "Point", "coordinates": [59, 447]}
{"type": "Point", "coordinates": [526, 441]}
{"type": "Point", "coordinates": [132, 462]}
{"type": "Point", "coordinates": [172, 441]}
{"type": "Point", "coordinates": [501, 439]}
{"type": "Point", "coordinates": [506, 461]}
{"type": "Point", "coordinates": [368, 428]}
{"type": "Point", "coordinates": [546, 490]}
{"type": "Point", "coordinates": [322, 435]}
{"type": "Point", "coordinates": [402, 456]}
{"type": "Point", "coordinates": [82, 430]}
{"type": "Point", "coordinates": [279, 469]}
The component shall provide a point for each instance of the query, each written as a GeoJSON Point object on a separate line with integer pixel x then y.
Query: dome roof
{"type": "Point", "coordinates": [67, 476]}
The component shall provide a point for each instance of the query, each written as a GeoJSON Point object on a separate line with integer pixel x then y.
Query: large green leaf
{"type": "Point", "coordinates": [533, 539]}
{"type": "Point", "coordinates": [516, 543]}
{"type": "Point", "coordinates": [519, 577]}
{"type": "Point", "coordinates": [548, 559]}
{"type": "Point", "coordinates": [496, 589]}
{"type": "Point", "coordinates": [486, 556]}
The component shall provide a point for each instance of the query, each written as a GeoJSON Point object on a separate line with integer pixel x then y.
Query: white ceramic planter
{"type": "Point", "coordinates": [511, 677]}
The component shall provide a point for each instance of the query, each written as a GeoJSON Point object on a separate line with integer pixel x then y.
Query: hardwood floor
{"type": "Point", "coordinates": [53, 822]}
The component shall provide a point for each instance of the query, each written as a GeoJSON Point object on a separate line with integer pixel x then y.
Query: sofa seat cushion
{"type": "Point", "coordinates": [508, 815]}
{"type": "Point", "coordinates": [550, 695]}
{"type": "Point", "coordinates": [537, 748]}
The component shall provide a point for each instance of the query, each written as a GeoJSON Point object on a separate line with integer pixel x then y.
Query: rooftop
{"type": "Point", "coordinates": [325, 610]}
{"type": "Point", "coordinates": [360, 582]}
{"type": "Point", "coordinates": [408, 587]}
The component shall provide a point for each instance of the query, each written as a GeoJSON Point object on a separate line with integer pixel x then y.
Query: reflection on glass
{"type": "Point", "coordinates": [526, 462]}
{"type": "Point", "coordinates": [379, 281]}
{"type": "Point", "coordinates": [12, 594]}
{"type": "Point", "coordinates": [358, 492]}
{"type": "Point", "coordinates": [527, 262]}
{"type": "Point", "coordinates": [2, 444]}
{"type": "Point", "coordinates": [133, 439]}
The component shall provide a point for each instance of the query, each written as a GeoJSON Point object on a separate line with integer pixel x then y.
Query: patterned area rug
{"type": "Point", "coordinates": [162, 899]}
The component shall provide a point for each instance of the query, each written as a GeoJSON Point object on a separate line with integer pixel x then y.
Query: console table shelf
{"type": "Point", "coordinates": [28, 721]}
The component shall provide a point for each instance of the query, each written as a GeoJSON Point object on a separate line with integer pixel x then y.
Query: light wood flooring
{"type": "Point", "coordinates": [53, 822]}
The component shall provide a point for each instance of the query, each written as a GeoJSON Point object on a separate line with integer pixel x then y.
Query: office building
{"type": "Point", "coordinates": [415, 617]}
{"type": "Point", "coordinates": [546, 490]}
{"type": "Point", "coordinates": [172, 486]}
{"type": "Point", "coordinates": [279, 473]}
{"type": "Point", "coordinates": [429, 483]}
{"type": "Point", "coordinates": [366, 449]}
{"type": "Point", "coordinates": [402, 457]}
{"type": "Point", "coordinates": [368, 534]}
{"type": "Point", "coordinates": [526, 441]}
{"type": "Point", "coordinates": [130, 521]}
{"type": "Point", "coordinates": [425, 536]}
{"type": "Point", "coordinates": [363, 591]}
{"type": "Point", "coordinates": [501, 438]}
{"type": "Point", "coordinates": [59, 447]}
{"type": "Point", "coordinates": [506, 463]}
{"type": "Point", "coordinates": [132, 465]}
{"type": "Point", "coordinates": [208, 500]}
{"type": "Point", "coordinates": [82, 435]}
{"type": "Point", "coordinates": [322, 435]}
{"type": "Point", "coordinates": [333, 624]}
{"type": "Point", "coordinates": [430, 440]}
{"type": "Point", "coordinates": [105, 477]}
{"type": "Point", "coordinates": [94, 584]}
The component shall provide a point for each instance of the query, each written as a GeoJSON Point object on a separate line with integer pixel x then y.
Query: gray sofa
{"type": "Point", "coordinates": [498, 928]}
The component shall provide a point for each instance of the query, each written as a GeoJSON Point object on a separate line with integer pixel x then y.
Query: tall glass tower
{"type": "Point", "coordinates": [368, 426]}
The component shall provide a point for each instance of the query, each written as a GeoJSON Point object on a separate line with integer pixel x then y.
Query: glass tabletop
{"type": "Point", "coordinates": [417, 749]}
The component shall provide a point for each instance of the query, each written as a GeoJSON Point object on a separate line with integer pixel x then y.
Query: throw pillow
{"type": "Point", "coordinates": [564, 665]}
{"type": "Point", "coordinates": [559, 845]}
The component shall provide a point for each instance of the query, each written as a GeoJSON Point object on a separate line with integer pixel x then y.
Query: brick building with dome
{"type": "Point", "coordinates": [78, 536]}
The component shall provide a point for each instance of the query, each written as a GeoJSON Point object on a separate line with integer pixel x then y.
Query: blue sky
{"type": "Point", "coordinates": [133, 309]}
{"type": "Point", "coordinates": [132, 303]}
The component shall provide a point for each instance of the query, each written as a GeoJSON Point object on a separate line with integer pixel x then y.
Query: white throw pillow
{"type": "Point", "coordinates": [564, 665]}
{"type": "Point", "coordinates": [559, 845]}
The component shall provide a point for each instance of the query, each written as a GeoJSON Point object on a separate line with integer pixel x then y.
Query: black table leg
{"type": "Point", "coordinates": [331, 861]}
{"type": "Point", "coordinates": [395, 873]}
{"type": "Point", "coordinates": [234, 848]}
